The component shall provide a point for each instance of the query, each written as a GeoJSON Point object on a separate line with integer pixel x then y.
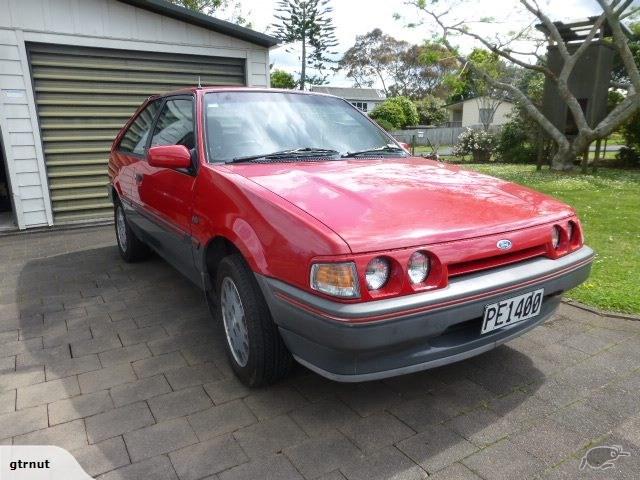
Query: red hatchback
{"type": "Point", "coordinates": [317, 237]}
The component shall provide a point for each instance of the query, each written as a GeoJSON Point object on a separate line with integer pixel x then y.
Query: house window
{"type": "Point", "coordinates": [360, 105]}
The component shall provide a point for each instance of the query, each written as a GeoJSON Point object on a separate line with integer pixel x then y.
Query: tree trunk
{"type": "Point", "coordinates": [540, 140]}
{"type": "Point", "coordinates": [596, 157]}
{"type": "Point", "coordinates": [303, 70]}
{"type": "Point", "coordinates": [585, 160]}
{"type": "Point", "coordinates": [563, 159]}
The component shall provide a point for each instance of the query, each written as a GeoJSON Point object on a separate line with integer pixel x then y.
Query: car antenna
{"type": "Point", "coordinates": [199, 83]}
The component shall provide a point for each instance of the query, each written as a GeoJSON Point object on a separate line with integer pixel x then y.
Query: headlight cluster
{"type": "Point", "coordinates": [341, 279]}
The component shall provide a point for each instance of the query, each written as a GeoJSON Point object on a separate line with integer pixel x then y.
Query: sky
{"type": "Point", "coordinates": [357, 17]}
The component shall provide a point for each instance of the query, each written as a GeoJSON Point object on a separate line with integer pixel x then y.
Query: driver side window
{"type": "Point", "coordinates": [175, 124]}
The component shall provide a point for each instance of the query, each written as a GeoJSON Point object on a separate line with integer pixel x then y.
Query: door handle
{"type": "Point", "coordinates": [139, 177]}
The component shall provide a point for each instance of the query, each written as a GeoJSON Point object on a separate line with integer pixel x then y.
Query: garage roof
{"type": "Point", "coordinates": [167, 9]}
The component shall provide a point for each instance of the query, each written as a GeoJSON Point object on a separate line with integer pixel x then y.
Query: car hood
{"type": "Point", "coordinates": [379, 204]}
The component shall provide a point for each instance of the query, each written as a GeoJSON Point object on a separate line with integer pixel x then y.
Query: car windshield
{"type": "Point", "coordinates": [244, 125]}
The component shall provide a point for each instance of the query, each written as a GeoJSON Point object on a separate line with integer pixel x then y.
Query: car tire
{"type": "Point", "coordinates": [255, 349]}
{"type": "Point", "coordinates": [131, 248]}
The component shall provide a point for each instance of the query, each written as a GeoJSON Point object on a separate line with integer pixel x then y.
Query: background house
{"type": "Point", "coordinates": [366, 99]}
{"type": "Point", "coordinates": [72, 73]}
{"type": "Point", "coordinates": [467, 113]}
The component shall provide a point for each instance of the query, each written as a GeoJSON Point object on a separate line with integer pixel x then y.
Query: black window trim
{"type": "Point", "coordinates": [130, 124]}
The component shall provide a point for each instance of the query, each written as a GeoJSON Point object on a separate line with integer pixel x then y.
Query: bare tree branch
{"type": "Point", "coordinates": [623, 111]}
{"type": "Point", "coordinates": [568, 148]}
{"type": "Point", "coordinates": [518, 95]}
{"type": "Point", "coordinates": [622, 45]}
{"type": "Point", "coordinates": [504, 53]}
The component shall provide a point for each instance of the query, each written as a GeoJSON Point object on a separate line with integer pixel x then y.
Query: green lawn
{"type": "Point", "coordinates": [609, 207]}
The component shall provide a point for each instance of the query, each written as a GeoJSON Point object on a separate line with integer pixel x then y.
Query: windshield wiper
{"type": "Point", "coordinates": [291, 153]}
{"type": "Point", "coordinates": [369, 151]}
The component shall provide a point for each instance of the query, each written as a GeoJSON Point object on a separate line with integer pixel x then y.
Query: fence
{"type": "Point", "coordinates": [437, 136]}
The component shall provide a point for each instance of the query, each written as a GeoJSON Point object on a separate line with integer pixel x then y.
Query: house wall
{"type": "Point", "coordinates": [370, 104]}
{"type": "Point", "coordinates": [91, 23]}
{"type": "Point", "coordinates": [471, 113]}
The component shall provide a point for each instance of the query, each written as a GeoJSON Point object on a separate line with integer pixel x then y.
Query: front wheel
{"type": "Point", "coordinates": [254, 347]}
{"type": "Point", "coordinates": [131, 248]}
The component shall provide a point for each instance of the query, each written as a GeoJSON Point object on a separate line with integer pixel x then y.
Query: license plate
{"type": "Point", "coordinates": [512, 310]}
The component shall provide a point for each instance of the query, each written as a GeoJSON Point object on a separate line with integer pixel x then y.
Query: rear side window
{"type": "Point", "coordinates": [135, 138]}
{"type": "Point", "coordinates": [175, 124]}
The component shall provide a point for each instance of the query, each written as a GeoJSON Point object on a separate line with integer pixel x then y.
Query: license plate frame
{"type": "Point", "coordinates": [512, 310]}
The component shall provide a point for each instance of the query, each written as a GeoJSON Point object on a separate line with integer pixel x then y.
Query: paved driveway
{"type": "Point", "coordinates": [121, 365]}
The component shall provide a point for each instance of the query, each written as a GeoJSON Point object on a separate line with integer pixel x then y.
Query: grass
{"type": "Point", "coordinates": [608, 204]}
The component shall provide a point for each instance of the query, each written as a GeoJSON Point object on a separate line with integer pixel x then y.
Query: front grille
{"type": "Point", "coordinates": [487, 263]}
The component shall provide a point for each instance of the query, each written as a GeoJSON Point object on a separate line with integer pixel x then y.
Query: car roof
{"type": "Point", "coordinates": [229, 88]}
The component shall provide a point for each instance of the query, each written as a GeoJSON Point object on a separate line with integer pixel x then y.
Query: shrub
{"type": "Point", "coordinates": [478, 143]}
{"type": "Point", "coordinates": [385, 124]}
{"type": "Point", "coordinates": [398, 112]}
{"type": "Point", "coordinates": [431, 111]}
{"type": "Point", "coordinates": [389, 113]}
{"type": "Point", "coordinates": [282, 79]}
{"type": "Point", "coordinates": [628, 157]}
{"type": "Point", "coordinates": [408, 108]}
{"type": "Point", "coordinates": [513, 144]}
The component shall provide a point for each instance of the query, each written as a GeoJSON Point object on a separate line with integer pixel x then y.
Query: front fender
{"type": "Point", "coordinates": [276, 238]}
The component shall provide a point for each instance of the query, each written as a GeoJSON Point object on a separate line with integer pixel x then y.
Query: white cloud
{"type": "Point", "coordinates": [356, 17]}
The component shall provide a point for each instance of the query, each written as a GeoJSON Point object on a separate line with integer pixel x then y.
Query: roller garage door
{"type": "Point", "coordinates": [85, 95]}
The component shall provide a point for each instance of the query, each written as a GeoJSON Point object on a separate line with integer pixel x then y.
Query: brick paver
{"type": "Point", "coordinates": [122, 365]}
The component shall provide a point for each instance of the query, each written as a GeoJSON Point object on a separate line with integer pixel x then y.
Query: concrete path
{"type": "Point", "coordinates": [122, 365]}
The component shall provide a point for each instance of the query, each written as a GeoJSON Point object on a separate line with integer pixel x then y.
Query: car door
{"type": "Point", "coordinates": [166, 194]}
{"type": "Point", "coordinates": [130, 152]}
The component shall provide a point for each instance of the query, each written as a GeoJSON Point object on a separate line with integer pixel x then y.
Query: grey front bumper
{"type": "Point", "coordinates": [383, 338]}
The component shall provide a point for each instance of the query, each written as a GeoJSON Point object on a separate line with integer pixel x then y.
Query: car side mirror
{"type": "Point", "coordinates": [169, 156]}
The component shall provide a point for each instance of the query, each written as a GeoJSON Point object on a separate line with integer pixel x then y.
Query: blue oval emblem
{"type": "Point", "coordinates": [504, 244]}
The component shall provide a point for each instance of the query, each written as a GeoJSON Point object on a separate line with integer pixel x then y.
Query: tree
{"type": "Point", "coordinates": [307, 23]}
{"type": "Point", "coordinates": [399, 67]}
{"type": "Point", "coordinates": [282, 79]}
{"type": "Point", "coordinates": [230, 10]}
{"type": "Point", "coordinates": [422, 70]}
{"type": "Point", "coordinates": [431, 111]}
{"type": "Point", "coordinates": [375, 56]}
{"type": "Point", "coordinates": [613, 12]}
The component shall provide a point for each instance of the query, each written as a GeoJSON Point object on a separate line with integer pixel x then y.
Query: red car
{"type": "Point", "coordinates": [317, 237]}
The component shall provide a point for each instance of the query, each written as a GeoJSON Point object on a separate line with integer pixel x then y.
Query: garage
{"type": "Point", "coordinates": [68, 85]}
{"type": "Point", "coordinates": [83, 97]}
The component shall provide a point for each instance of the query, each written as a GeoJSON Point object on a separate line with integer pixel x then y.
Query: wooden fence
{"type": "Point", "coordinates": [437, 136]}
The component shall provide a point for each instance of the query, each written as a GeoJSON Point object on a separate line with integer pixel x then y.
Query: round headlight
{"type": "Point", "coordinates": [377, 273]}
{"type": "Point", "coordinates": [555, 237]}
{"type": "Point", "coordinates": [418, 268]}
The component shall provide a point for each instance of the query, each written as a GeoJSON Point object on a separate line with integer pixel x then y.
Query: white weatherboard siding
{"type": "Point", "coordinates": [20, 135]}
{"type": "Point", "coordinates": [471, 113]}
{"type": "Point", "coordinates": [89, 23]}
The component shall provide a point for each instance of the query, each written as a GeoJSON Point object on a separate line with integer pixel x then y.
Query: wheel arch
{"type": "Point", "coordinates": [221, 246]}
